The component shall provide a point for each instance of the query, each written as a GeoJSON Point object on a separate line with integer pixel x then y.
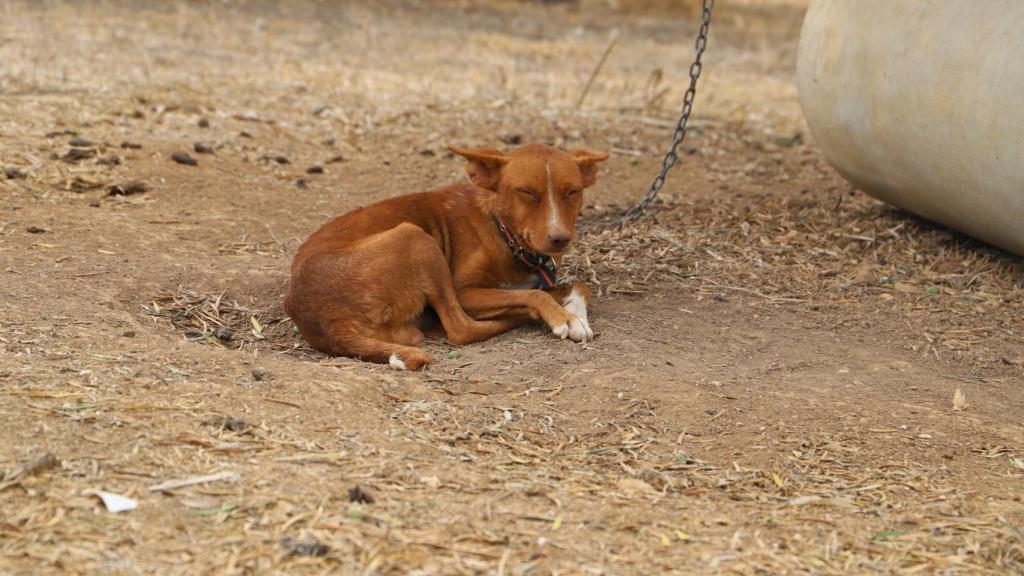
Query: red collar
{"type": "Point", "coordinates": [542, 265]}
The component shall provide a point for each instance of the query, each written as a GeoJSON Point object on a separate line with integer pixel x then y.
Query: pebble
{"type": "Point", "coordinates": [13, 173]}
{"type": "Point", "coordinates": [306, 547]}
{"type": "Point", "coordinates": [76, 154]}
{"type": "Point", "coordinates": [358, 494]}
{"type": "Point", "coordinates": [227, 423]}
{"type": "Point", "coordinates": [184, 158]}
{"type": "Point", "coordinates": [127, 189]}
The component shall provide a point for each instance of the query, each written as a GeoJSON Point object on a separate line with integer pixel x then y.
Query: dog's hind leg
{"type": "Point", "coordinates": [399, 356]}
{"type": "Point", "coordinates": [421, 257]}
{"type": "Point", "coordinates": [365, 302]}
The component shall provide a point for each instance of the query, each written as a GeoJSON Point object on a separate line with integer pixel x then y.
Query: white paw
{"type": "Point", "coordinates": [396, 362]}
{"type": "Point", "coordinates": [579, 330]}
{"type": "Point", "coordinates": [561, 331]}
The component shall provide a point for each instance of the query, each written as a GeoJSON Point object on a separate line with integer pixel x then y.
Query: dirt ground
{"type": "Point", "coordinates": [790, 377]}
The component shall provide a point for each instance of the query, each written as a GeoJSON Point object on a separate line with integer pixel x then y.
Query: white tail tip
{"type": "Point", "coordinates": [396, 362]}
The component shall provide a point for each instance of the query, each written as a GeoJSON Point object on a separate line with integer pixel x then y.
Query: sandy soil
{"type": "Point", "coordinates": [790, 377]}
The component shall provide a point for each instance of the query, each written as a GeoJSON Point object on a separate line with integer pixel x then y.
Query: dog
{"type": "Point", "coordinates": [483, 255]}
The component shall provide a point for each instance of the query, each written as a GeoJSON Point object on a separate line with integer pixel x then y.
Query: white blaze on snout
{"type": "Point", "coordinates": [555, 227]}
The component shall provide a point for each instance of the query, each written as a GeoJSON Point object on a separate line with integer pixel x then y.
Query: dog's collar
{"type": "Point", "coordinates": [542, 265]}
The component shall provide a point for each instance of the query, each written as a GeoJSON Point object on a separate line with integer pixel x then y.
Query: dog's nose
{"type": "Point", "coordinates": [559, 241]}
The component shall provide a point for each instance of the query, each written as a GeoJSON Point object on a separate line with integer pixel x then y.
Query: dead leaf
{"type": "Point", "coordinates": [959, 400]}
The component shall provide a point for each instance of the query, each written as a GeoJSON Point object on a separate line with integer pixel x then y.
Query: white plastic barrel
{"type": "Point", "coordinates": [921, 104]}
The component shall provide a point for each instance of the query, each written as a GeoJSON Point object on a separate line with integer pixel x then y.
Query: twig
{"type": "Point", "coordinates": [600, 64]}
{"type": "Point", "coordinates": [184, 483]}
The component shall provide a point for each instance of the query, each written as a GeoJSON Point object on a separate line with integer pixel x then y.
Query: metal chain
{"type": "Point", "coordinates": [671, 157]}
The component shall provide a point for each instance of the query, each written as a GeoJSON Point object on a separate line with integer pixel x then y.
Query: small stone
{"type": "Point", "coordinates": [94, 203]}
{"type": "Point", "coordinates": [304, 547]}
{"type": "Point", "coordinates": [244, 134]}
{"type": "Point", "coordinates": [226, 423]}
{"type": "Point", "coordinates": [80, 143]}
{"type": "Point", "coordinates": [79, 184]}
{"type": "Point", "coordinates": [223, 334]}
{"type": "Point", "coordinates": [184, 158]}
{"type": "Point", "coordinates": [300, 184]}
{"type": "Point", "coordinates": [259, 374]}
{"type": "Point", "coordinates": [281, 160]}
{"type": "Point", "coordinates": [35, 230]}
{"type": "Point", "coordinates": [203, 123]}
{"type": "Point", "coordinates": [315, 169]}
{"type": "Point", "coordinates": [336, 159]}
{"type": "Point", "coordinates": [127, 189]}
{"type": "Point", "coordinates": [128, 334]}
{"type": "Point", "coordinates": [234, 424]}
{"type": "Point", "coordinates": [719, 298]}
{"type": "Point", "coordinates": [358, 494]}
{"type": "Point", "coordinates": [130, 145]}
{"type": "Point", "coordinates": [76, 154]}
{"type": "Point", "coordinates": [329, 141]}
{"type": "Point", "coordinates": [13, 173]}
{"type": "Point", "coordinates": [512, 139]}
{"type": "Point", "coordinates": [111, 160]}
{"type": "Point", "coordinates": [201, 148]}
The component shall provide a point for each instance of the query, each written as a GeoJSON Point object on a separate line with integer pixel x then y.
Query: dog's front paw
{"type": "Point", "coordinates": [576, 329]}
{"type": "Point", "coordinates": [579, 330]}
{"type": "Point", "coordinates": [576, 305]}
{"type": "Point", "coordinates": [561, 331]}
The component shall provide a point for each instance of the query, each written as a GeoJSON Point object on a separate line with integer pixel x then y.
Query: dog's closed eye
{"type": "Point", "coordinates": [530, 194]}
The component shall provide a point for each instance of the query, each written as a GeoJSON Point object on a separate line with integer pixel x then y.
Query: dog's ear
{"type": "Point", "coordinates": [587, 161]}
{"type": "Point", "coordinates": [484, 167]}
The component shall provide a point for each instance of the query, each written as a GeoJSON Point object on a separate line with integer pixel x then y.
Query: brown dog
{"type": "Point", "coordinates": [481, 254]}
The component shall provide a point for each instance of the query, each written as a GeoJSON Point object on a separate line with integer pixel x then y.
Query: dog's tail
{"type": "Point", "coordinates": [340, 340]}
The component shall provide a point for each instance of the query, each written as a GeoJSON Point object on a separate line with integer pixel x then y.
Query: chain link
{"type": "Point", "coordinates": [684, 116]}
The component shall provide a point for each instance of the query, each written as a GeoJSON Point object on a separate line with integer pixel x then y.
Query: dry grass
{"type": "Point", "coordinates": [821, 253]}
{"type": "Point", "coordinates": [515, 457]}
